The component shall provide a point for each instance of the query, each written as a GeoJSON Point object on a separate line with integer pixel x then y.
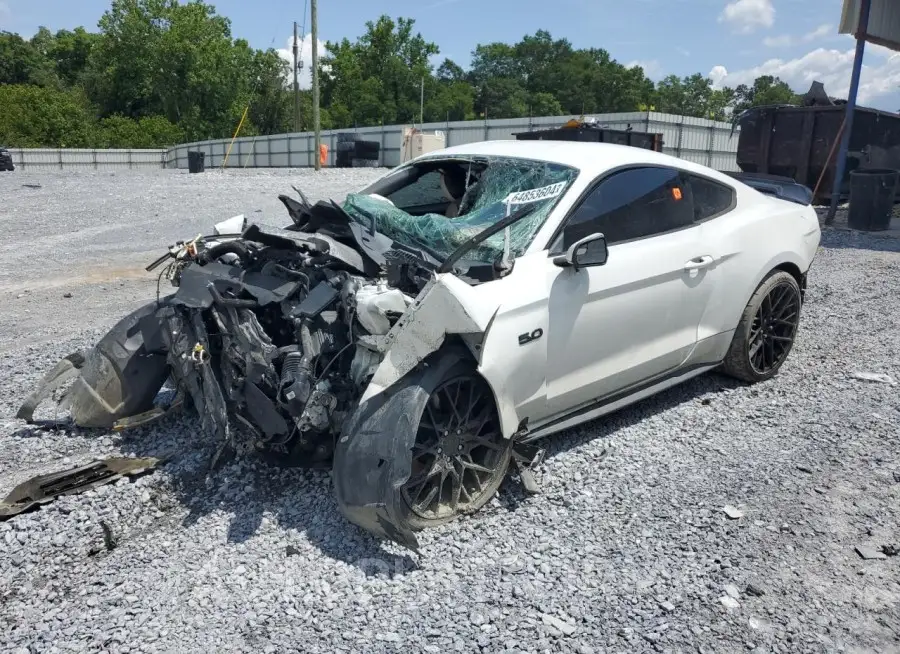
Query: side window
{"type": "Point", "coordinates": [424, 191]}
{"type": "Point", "coordinates": [710, 198]}
{"type": "Point", "coordinates": [633, 203]}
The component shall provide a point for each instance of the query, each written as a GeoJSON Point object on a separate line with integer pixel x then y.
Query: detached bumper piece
{"type": "Point", "coordinates": [42, 489]}
{"type": "Point", "coordinates": [372, 462]}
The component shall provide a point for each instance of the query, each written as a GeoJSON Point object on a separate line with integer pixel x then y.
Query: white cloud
{"type": "Point", "coordinates": [304, 55]}
{"type": "Point", "coordinates": [747, 15]}
{"type": "Point", "coordinates": [880, 73]}
{"type": "Point", "coordinates": [785, 40]}
{"type": "Point", "coordinates": [717, 74]}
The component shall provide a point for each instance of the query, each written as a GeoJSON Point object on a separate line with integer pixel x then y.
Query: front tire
{"type": "Point", "coordinates": [767, 329]}
{"type": "Point", "coordinates": [460, 455]}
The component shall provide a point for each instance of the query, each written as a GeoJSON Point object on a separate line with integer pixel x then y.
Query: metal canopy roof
{"type": "Point", "coordinates": [884, 22]}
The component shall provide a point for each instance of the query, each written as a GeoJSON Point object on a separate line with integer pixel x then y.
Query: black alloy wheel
{"type": "Point", "coordinates": [774, 328]}
{"type": "Point", "coordinates": [767, 330]}
{"type": "Point", "coordinates": [460, 456]}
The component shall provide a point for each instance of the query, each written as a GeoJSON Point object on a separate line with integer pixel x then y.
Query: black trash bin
{"type": "Point", "coordinates": [196, 161]}
{"type": "Point", "coordinates": [872, 193]}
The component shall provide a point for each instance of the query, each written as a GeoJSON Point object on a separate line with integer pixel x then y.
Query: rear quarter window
{"type": "Point", "coordinates": [710, 198]}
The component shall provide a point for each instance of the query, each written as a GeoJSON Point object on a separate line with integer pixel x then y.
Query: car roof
{"type": "Point", "coordinates": [592, 158]}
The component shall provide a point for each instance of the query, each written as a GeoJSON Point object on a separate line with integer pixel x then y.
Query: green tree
{"type": "Point", "coordinates": [35, 117]}
{"type": "Point", "coordinates": [171, 59]}
{"type": "Point", "coordinates": [501, 97]}
{"type": "Point", "coordinates": [378, 78]}
{"type": "Point", "coordinates": [147, 132]}
{"type": "Point", "coordinates": [539, 60]}
{"type": "Point", "coordinates": [450, 72]}
{"type": "Point", "coordinates": [449, 101]}
{"type": "Point", "coordinates": [70, 52]}
{"type": "Point", "coordinates": [765, 90]}
{"type": "Point", "coordinates": [494, 61]}
{"type": "Point", "coordinates": [22, 63]}
{"type": "Point", "coordinates": [720, 103]}
{"type": "Point", "coordinates": [544, 104]}
{"type": "Point", "coordinates": [688, 96]}
{"type": "Point", "coordinates": [693, 96]}
{"type": "Point", "coordinates": [582, 81]}
{"type": "Point", "coordinates": [271, 105]}
{"type": "Point", "coordinates": [160, 71]}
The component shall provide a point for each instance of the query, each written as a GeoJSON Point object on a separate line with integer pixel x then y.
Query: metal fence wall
{"type": "Point", "coordinates": [707, 142]}
{"type": "Point", "coordinates": [86, 159]}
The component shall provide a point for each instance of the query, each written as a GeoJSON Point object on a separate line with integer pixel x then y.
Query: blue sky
{"type": "Point", "coordinates": [732, 41]}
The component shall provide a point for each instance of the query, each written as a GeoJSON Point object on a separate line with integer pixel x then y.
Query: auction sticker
{"type": "Point", "coordinates": [536, 194]}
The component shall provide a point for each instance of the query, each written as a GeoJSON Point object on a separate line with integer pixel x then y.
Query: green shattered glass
{"type": "Point", "coordinates": [482, 206]}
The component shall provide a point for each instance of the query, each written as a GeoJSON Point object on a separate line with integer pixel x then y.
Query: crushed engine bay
{"type": "Point", "coordinates": [274, 334]}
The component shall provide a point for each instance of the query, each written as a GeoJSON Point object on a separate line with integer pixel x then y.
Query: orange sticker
{"type": "Point", "coordinates": [676, 193]}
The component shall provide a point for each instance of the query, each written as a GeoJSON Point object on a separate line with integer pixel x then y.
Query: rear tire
{"type": "Point", "coordinates": [765, 334]}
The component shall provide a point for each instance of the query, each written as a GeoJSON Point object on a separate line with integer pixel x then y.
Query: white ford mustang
{"type": "Point", "coordinates": [421, 334]}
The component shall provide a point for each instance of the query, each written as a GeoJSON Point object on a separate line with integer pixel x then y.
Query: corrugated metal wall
{"type": "Point", "coordinates": [695, 139]}
{"type": "Point", "coordinates": [86, 159]}
{"type": "Point", "coordinates": [707, 142]}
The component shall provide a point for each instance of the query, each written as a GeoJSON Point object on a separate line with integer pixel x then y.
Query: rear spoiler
{"type": "Point", "coordinates": [783, 188]}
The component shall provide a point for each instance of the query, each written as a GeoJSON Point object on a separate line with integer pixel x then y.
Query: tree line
{"type": "Point", "coordinates": [159, 72]}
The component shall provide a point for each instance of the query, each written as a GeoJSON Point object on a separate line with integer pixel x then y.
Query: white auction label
{"type": "Point", "coordinates": [536, 194]}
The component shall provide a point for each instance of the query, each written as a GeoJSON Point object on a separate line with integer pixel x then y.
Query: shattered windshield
{"type": "Point", "coordinates": [441, 203]}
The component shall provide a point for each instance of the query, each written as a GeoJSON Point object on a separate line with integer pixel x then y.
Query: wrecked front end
{"type": "Point", "coordinates": [272, 334]}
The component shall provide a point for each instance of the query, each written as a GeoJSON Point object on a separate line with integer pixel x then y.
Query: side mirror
{"type": "Point", "coordinates": [589, 251]}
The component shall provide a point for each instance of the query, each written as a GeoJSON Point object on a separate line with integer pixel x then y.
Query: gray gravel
{"type": "Point", "coordinates": [628, 548]}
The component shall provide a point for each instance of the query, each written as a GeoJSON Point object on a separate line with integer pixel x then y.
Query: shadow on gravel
{"type": "Point", "coordinates": [840, 239]}
{"type": "Point", "coordinates": [245, 491]}
{"type": "Point", "coordinates": [701, 389]}
{"type": "Point", "coordinates": [251, 492]}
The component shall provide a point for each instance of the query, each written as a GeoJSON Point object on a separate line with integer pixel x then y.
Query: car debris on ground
{"type": "Point", "coordinates": [732, 512]}
{"type": "Point", "coordinates": [868, 553]}
{"type": "Point", "coordinates": [45, 488]}
{"type": "Point", "coordinates": [878, 377]}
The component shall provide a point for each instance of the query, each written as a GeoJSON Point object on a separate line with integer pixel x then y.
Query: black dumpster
{"type": "Point", "coordinates": [872, 193]}
{"type": "Point", "coordinates": [196, 161]}
{"type": "Point", "coordinates": [796, 142]}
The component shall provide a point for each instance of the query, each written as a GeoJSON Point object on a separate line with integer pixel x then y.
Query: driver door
{"type": "Point", "coordinates": [635, 317]}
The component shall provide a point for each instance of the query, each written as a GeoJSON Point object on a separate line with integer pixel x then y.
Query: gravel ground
{"type": "Point", "coordinates": [627, 549]}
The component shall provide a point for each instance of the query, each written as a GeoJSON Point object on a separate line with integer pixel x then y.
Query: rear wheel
{"type": "Point", "coordinates": [460, 455]}
{"type": "Point", "coordinates": [765, 335]}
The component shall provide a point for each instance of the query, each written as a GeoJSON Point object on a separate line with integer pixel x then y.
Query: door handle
{"type": "Point", "coordinates": [698, 263]}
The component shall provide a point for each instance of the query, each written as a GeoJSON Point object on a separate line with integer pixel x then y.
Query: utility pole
{"type": "Point", "coordinates": [314, 23]}
{"type": "Point", "coordinates": [296, 85]}
{"type": "Point", "coordinates": [422, 104]}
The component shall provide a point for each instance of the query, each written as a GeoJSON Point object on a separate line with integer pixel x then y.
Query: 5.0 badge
{"type": "Point", "coordinates": [533, 336]}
